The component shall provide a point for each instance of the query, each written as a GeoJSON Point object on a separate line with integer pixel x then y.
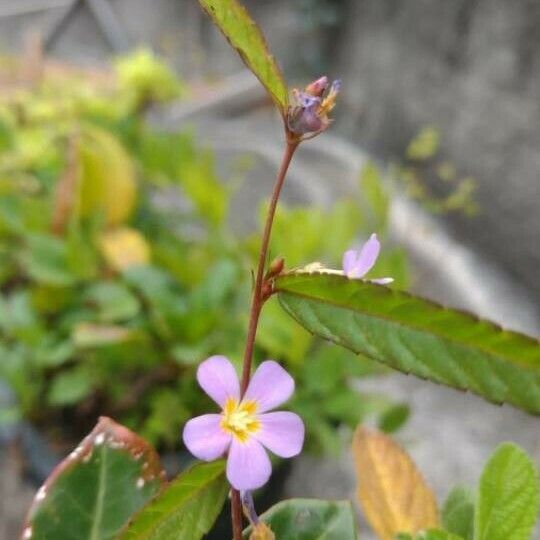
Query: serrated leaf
{"type": "Point", "coordinates": [302, 519]}
{"type": "Point", "coordinates": [245, 36]}
{"type": "Point", "coordinates": [391, 491]}
{"type": "Point", "coordinates": [186, 509]}
{"type": "Point", "coordinates": [417, 336]}
{"type": "Point", "coordinates": [458, 512]}
{"type": "Point", "coordinates": [93, 492]}
{"type": "Point", "coordinates": [507, 503]}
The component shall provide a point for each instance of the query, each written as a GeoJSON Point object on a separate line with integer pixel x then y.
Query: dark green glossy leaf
{"type": "Point", "coordinates": [458, 513]}
{"type": "Point", "coordinates": [97, 488]}
{"type": "Point", "coordinates": [416, 336]}
{"type": "Point", "coordinates": [186, 510]}
{"type": "Point", "coordinates": [507, 504]}
{"type": "Point", "coordinates": [307, 519]}
{"type": "Point", "coordinates": [245, 36]}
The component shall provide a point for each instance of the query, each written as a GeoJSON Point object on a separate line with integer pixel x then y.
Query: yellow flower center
{"type": "Point", "coordinates": [240, 419]}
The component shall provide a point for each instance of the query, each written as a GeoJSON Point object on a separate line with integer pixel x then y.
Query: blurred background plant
{"type": "Point", "coordinates": [119, 273]}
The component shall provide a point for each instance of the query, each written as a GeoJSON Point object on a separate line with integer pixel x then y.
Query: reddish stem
{"type": "Point", "coordinates": [257, 302]}
{"type": "Point", "coordinates": [257, 299]}
{"type": "Point", "coordinates": [236, 514]}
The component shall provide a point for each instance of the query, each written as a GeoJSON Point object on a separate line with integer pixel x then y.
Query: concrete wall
{"type": "Point", "coordinates": [472, 68]}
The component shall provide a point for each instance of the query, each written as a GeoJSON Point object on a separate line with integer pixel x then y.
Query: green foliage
{"type": "Point", "coordinates": [306, 519]}
{"type": "Point", "coordinates": [458, 513]}
{"type": "Point", "coordinates": [416, 336]}
{"type": "Point", "coordinates": [245, 36]}
{"type": "Point", "coordinates": [119, 274]}
{"type": "Point", "coordinates": [186, 509]}
{"type": "Point", "coordinates": [95, 490]}
{"type": "Point", "coordinates": [508, 496]}
{"type": "Point", "coordinates": [432, 534]}
{"type": "Point", "coordinates": [146, 79]}
{"type": "Point", "coordinates": [424, 145]}
{"type": "Point", "coordinates": [394, 417]}
{"type": "Point", "coordinates": [446, 190]}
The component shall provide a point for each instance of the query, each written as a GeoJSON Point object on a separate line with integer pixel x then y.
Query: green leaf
{"type": "Point", "coordinates": [186, 509]}
{"type": "Point", "coordinates": [375, 195]}
{"type": "Point", "coordinates": [458, 512]}
{"type": "Point", "coordinates": [115, 302]}
{"type": "Point", "coordinates": [424, 145]}
{"type": "Point", "coordinates": [69, 387]}
{"type": "Point", "coordinates": [305, 519]}
{"type": "Point", "coordinates": [431, 534]}
{"type": "Point", "coordinates": [96, 489]}
{"type": "Point", "coordinates": [245, 36]}
{"type": "Point", "coordinates": [45, 260]}
{"type": "Point", "coordinates": [507, 504]}
{"type": "Point", "coordinates": [394, 417]}
{"type": "Point", "coordinates": [417, 336]}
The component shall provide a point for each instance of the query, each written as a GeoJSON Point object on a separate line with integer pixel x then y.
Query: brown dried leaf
{"type": "Point", "coordinates": [392, 492]}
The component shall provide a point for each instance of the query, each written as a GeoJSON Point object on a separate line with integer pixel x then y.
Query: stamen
{"type": "Point", "coordinates": [240, 419]}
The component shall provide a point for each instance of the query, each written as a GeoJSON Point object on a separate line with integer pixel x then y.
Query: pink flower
{"type": "Point", "coordinates": [356, 264]}
{"type": "Point", "coordinates": [244, 428]}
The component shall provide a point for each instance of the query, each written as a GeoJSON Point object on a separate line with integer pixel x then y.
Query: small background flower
{"type": "Point", "coordinates": [356, 264]}
{"type": "Point", "coordinates": [244, 428]}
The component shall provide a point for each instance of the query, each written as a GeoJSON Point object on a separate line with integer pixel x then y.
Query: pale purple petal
{"type": "Point", "coordinates": [248, 465]}
{"type": "Point", "coordinates": [270, 386]}
{"type": "Point", "coordinates": [382, 281]}
{"type": "Point", "coordinates": [218, 379]}
{"type": "Point", "coordinates": [282, 433]}
{"type": "Point", "coordinates": [204, 437]}
{"type": "Point", "coordinates": [349, 261]}
{"type": "Point", "coordinates": [368, 256]}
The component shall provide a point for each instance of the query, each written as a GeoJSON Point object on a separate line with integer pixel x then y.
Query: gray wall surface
{"type": "Point", "coordinates": [472, 69]}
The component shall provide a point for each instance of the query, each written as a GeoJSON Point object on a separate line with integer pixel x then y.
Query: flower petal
{"type": "Point", "coordinates": [248, 465]}
{"type": "Point", "coordinates": [349, 261]}
{"type": "Point", "coordinates": [366, 259]}
{"type": "Point", "coordinates": [282, 433]}
{"type": "Point", "coordinates": [270, 386]}
{"type": "Point", "coordinates": [204, 437]}
{"type": "Point", "coordinates": [218, 379]}
{"type": "Point", "coordinates": [382, 281]}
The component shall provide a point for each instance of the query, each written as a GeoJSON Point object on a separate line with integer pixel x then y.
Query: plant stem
{"type": "Point", "coordinates": [256, 306]}
{"type": "Point", "coordinates": [236, 514]}
{"type": "Point", "coordinates": [257, 299]}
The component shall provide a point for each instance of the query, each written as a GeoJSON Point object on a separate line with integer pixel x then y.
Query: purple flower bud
{"type": "Point", "coordinates": [310, 116]}
{"type": "Point", "coordinates": [317, 88]}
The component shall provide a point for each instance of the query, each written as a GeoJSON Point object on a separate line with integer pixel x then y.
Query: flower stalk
{"type": "Point", "coordinates": [257, 302]}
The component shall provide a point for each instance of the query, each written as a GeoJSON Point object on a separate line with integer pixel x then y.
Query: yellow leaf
{"type": "Point", "coordinates": [394, 496]}
{"type": "Point", "coordinates": [98, 335]}
{"type": "Point", "coordinates": [123, 248]}
{"type": "Point", "coordinates": [261, 531]}
{"type": "Point", "coordinates": [107, 177]}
